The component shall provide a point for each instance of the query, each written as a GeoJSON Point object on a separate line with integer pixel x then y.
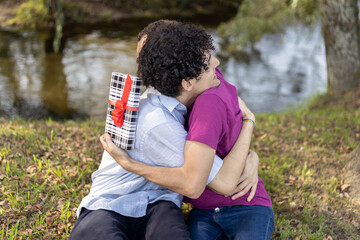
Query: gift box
{"type": "Point", "coordinates": [122, 112]}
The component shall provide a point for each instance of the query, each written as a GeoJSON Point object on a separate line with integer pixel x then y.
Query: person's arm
{"type": "Point", "coordinates": [188, 180]}
{"type": "Point", "coordinates": [227, 179]}
{"type": "Point", "coordinates": [249, 178]}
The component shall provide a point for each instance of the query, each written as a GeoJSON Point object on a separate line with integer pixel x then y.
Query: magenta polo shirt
{"type": "Point", "coordinates": [216, 120]}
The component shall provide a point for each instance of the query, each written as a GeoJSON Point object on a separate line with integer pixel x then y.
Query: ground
{"type": "Point", "coordinates": [46, 166]}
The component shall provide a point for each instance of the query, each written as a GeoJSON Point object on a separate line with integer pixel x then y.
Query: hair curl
{"type": "Point", "coordinates": [173, 52]}
{"type": "Point", "coordinates": [152, 27]}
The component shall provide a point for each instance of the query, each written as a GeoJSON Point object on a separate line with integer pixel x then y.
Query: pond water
{"type": "Point", "coordinates": [284, 71]}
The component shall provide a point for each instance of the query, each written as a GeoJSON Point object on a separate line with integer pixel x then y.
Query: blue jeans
{"type": "Point", "coordinates": [235, 222]}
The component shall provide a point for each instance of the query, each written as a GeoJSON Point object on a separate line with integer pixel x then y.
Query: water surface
{"type": "Point", "coordinates": [285, 70]}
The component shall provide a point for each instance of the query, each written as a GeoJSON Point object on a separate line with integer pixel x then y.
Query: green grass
{"type": "Point", "coordinates": [46, 170]}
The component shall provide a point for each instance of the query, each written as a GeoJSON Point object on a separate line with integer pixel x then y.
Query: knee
{"type": "Point", "coordinates": [93, 225]}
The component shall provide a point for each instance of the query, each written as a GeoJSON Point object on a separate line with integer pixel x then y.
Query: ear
{"type": "Point", "coordinates": [140, 44]}
{"type": "Point", "coordinates": [187, 85]}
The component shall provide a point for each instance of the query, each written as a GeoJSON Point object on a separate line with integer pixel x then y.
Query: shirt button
{"type": "Point", "coordinates": [217, 210]}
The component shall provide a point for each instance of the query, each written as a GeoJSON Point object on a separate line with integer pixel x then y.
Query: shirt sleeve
{"type": "Point", "coordinates": [218, 162]}
{"type": "Point", "coordinates": [207, 119]}
{"type": "Point", "coordinates": [164, 146]}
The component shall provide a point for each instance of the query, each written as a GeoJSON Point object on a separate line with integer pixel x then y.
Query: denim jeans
{"type": "Point", "coordinates": [235, 222]}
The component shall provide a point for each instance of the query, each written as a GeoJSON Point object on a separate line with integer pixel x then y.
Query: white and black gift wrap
{"type": "Point", "coordinates": [124, 136]}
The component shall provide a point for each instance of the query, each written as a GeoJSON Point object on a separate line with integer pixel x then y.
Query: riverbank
{"type": "Point", "coordinates": [46, 169]}
{"type": "Point", "coordinates": [108, 13]}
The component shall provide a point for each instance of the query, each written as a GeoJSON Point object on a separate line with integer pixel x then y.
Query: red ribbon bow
{"type": "Point", "coordinates": [120, 105]}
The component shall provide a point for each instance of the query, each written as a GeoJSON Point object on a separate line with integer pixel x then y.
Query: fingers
{"type": "Point", "coordinates": [240, 189]}
{"type": "Point", "coordinates": [241, 193]}
{"type": "Point", "coordinates": [244, 188]}
{"type": "Point", "coordinates": [252, 193]}
{"type": "Point", "coordinates": [242, 178]}
{"type": "Point", "coordinates": [102, 140]}
{"type": "Point", "coordinates": [105, 139]}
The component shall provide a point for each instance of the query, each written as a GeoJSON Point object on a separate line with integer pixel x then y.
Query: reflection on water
{"type": "Point", "coordinates": [284, 71]}
{"type": "Point", "coordinates": [76, 84]}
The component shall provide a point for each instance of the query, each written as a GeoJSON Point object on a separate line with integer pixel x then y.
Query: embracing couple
{"type": "Point", "coordinates": [192, 139]}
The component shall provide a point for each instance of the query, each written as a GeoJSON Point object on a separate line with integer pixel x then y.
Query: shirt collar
{"type": "Point", "coordinates": [170, 103]}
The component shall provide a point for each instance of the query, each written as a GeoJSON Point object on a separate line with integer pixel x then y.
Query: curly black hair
{"type": "Point", "coordinates": [151, 27]}
{"type": "Point", "coordinates": [173, 52]}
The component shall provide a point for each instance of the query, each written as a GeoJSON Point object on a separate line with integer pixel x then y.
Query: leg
{"type": "Point", "coordinates": [247, 222]}
{"type": "Point", "coordinates": [165, 221]}
{"type": "Point", "coordinates": [203, 227]}
{"type": "Point", "coordinates": [99, 224]}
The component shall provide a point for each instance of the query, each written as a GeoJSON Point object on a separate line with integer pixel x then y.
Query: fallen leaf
{"type": "Point", "coordinates": [27, 231]}
{"type": "Point", "coordinates": [61, 225]}
{"type": "Point", "coordinates": [40, 227]}
{"type": "Point", "coordinates": [344, 187]}
{"type": "Point", "coordinates": [49, 221]}
{"type": "Point", "coordinates": [15, 178]}
{"type": "Point", "coordinates": [26, 180]}
{"type": "Point", "coordinates": [297, 212]}
{"type": "Point", "coordinates": [37, 207]}
{"type": "Point", "coordinates": [263, 136]}
{"type": "Point", "coordinates": [31, 169]}
{"type": "Point", "coordinates": [19, 198]}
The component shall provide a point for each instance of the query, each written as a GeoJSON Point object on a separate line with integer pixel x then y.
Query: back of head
{"type": "Point", "coordinates": [175, 51]}
{"type": "Point", "coordinates": [152, 27]}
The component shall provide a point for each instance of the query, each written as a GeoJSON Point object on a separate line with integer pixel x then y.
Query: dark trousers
{"type": "Point", "coordinates": [163, 220]}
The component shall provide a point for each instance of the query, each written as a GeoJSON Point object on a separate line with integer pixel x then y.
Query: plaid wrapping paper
{"type": "Point", "coordinates": [123, 137]}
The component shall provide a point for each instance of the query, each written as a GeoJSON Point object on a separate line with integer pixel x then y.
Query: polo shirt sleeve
{"type": "Point", "coordinates": [207, 120]}
{"type": "Point", "coordinates": [164, 146]}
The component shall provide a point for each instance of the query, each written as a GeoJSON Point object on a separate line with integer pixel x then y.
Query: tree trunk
{"type": "Point", "coordinates": [341, 35]}
{"type": "Point", "coordinates": [352, 174]}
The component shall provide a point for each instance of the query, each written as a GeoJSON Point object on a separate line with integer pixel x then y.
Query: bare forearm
{"type": "Point", "coordinates": [228, 177]}
{"type": "Point", "coordinates": [183, 180]}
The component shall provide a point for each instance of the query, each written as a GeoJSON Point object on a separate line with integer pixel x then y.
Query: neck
{"type": "Point", "coordinates": [186, 98]}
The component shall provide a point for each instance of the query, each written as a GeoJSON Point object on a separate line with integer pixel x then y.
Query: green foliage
{"type": "Point", "coordinates": [31, 14]}
{"type": "Point", "coordinates": [256, 18]}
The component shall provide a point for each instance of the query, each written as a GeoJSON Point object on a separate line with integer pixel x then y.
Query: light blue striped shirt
{"type": "Point", "coordinates": [160, 141]}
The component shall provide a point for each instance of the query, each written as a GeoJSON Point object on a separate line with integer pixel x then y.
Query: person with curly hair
{"type": "Point", "coordinates": [124, 205]}
{"type": "Point", "coordinates": [170, 62]}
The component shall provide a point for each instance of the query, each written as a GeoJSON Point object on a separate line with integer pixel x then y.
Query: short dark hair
{"type": "Point", "coordinates": [175, 51]}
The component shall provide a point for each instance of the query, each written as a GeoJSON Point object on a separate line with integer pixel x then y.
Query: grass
{"type": "Point", "coordinates": [45, 172]}
{"type": "Point", "coordinates": [46, 169]}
